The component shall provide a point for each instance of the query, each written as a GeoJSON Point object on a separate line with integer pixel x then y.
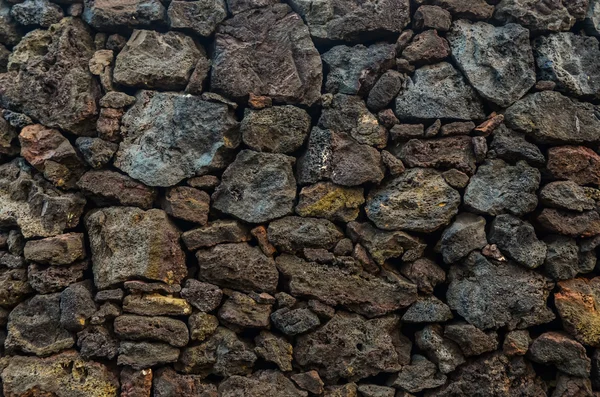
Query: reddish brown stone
{"type": "Point", "coordinates": [578, 304]}
{"type": "Point", "coordinates": [576, 163]}
{"type": "Point", "coordinates": [109, 124]}
{"type": "Point", "coordinates": [260, 234]}
{"type": "Point", "coordinates": [259, 102]}
{"type": "Point", "coordinates": [168, 383]}
{"type": "Point", "coordinates": [136, 383]}
{"type": "Point", "coordinates": [309, 381]}
{"type": "Point", "coordinates": [574, 224]}
{"type": "Point", "coordinates": [488, 126]}
{"type": "Point", "coordinates": [106, 187]}
{"type": "Point", "coordinates": [426, 47]}
{"type": "Point", "coordinates": [187, 203]}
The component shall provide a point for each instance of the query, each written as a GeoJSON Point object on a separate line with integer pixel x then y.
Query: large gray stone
{"type": "Point", "coordinates": [571, 61]}
{"type": "Point", "coordinates": [418, 200]}
{"type": "Point", "coordinates": [537, 16]}
{"type": "Point", "coordinates": [497, 61]}
{"type": "Point", "coordinates": [295, 233]}
{"type": "Point", "coordinates": [438, 92]}
{"type": "Point", "coordinates": [129, 243]}
{"type": "Point", "coordinates": [257, 187]}
{"type": "Point", "coordinates": [353, 21]}
{"type": "Point", "coordinates": [171, 136]}
{"type": "Point", "coordinates": [499, 188]}
{"type": "Point", "coordinates": [43, 56]}
{"type": "Point", "coordinates": [267, 52]}
{"type": "Point", "coordinates": [157, 60]}
{"type": "Point", "coordinates": [518, 294]}
{"type": "Point", "coordinates": [550, 117]}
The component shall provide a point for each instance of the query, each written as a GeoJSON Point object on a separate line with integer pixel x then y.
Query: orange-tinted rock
{"type": "Point", "coordinates": [575, 224]}
{"type": "Point", "coordinates": [578, 304]}
{"type": "Point", "coordinates": [576, 163]}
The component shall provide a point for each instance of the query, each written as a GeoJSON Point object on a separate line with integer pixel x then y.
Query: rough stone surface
{"type": "Point", "coordinates": [497, 61]}
{"type": "Point", "coordinates": [172, 136]}
{"type": "Point", "coordinates": [218, 232]}
{"type": "Point", "coordinates": [37, 12]}
{"type": "Point", "coordinates": [538, 17]}
{"type": "Point", "coordinates": [106, 188]}
{"type": "Point", "coordinates": [471, 340]}
{"type": "Point", "coordinates": [560, 350]}
{"type": "Point", "coordinates": [442, 351]}
{"type": "Point", "coordinates": [388, 206]}
{"type": "Point", "coordinates": [292, 233]}
{"type": "Point", "coordinates": [128, 242]}
{"type": "Point", "coordinates": [263, 383]}
{"type": "Point", "coordinates": [201, 17]}
{"type": "Point", "coordinates": [517, 240]}
{"type": "Point", "coordinates": [465, 234]}
{"type": "Point", "coordinates": [576, 163]}
{"type": "Point", "coordinates": [264, 63]}
{"type": "Point", "coordinates": [330, 201]}
{"type": "Point", "coordinates": [421, 374]}
{"type": "Point", "coordinates": [106, 15]}
{"type": "Point", "coordinates": [444, 153]}
{"type": "Point", "coordinates": [159, 329]}
{"type": "Point", "coordinates": [63, 249]}
{"type": "Point", "coordinates": [577, 302]}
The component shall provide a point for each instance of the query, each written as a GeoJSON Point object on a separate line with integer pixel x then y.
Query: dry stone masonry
{"type": "Point", "coordinates": [330, 198]}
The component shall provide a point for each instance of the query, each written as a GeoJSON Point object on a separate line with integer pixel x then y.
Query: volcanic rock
{"type": "Point", "coordinates": [538, 17]}
{"type": "Point", "coordinates": [63, 249]}
{"type": "Point", "coordinates": [517, 240]}
{"type": "Point", "coordinates": [160, 329]}
{"type": "Point", "coordinates": [560, 350]}
{"type": "Point", "coordinates": [465, 234]}
{"type": "Point", "coordinates": [106, 188]}
{"type": "Point", "coordinates": [201, 17]}
{"type": "Point", "coordinates": [106, 15]}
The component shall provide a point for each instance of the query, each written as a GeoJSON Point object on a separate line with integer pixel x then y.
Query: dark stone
{"type": "Point", "coordinates": [470, 9]}
{"type": "Point", "coordinates": [566, 195]}
{"type": "Point", "coordinates": [432, 17]}
{"type": "Point", "coordinates": [539, 17]}
{"type": "Point", "coordinates": [427, 310]}
{"type": "Point", "coordinates": [187, 203]}
{"type": "Point", "coordinates": [109, 295]}
{"type": "Point", "coordinates": [498, 188]}
{"type": "Point", "coordinates": [562, 351]}
{"type": "Point", "coordinates": [570, 61]}
{"type": "Point", "coordinates": [457, 128]}
{"type": "Point", "coordinates": [444, 153]}
{"type": "Point", "coordinates": [572, 386]}
{"type": "Point", "coordinates": [96, 152]}
{"type": "Point", "coordinates": [116, 100]}
{"type": "Point", "coordinates": [476, 47]}
{"type": "Point", "coordinates": [576, 163]}
{"type": "Point", "coordinates": [137, 287]}
{"type": "Point", "coordinates": [550, 117]}
{"type": "Point", "coordinates": [127, 242]}
{"type": "Point", "coordinates": [168, 383]}
{"type": "Point", "coordinates": [201, 17]}
{"type": "Point", "coordinates": [574, 224]}
{"type": "Point", "coordinates": [512, 147]}
{"type": "Point", "coordinates": [76, 306]}
{"type": "Point", "coordinates": [160, 329]}
{"type": "Point", "coordinates": [295, 321]}
{"type": "Point", "coordinates": [278, 129]}
{"type": "Point", "coordinates": [310, 381]}
{"type": "Point", "coordinates": [421, 374]}
{"type": "Point", "coordinates": [123, 15]}
{"type": "Point", "coordinates": [517, 240]}
{"type": "Point", "coordinates": [223, 354]}
{"type": "Point", "coordinates": [367, 390]}
{"type": "Point", "coordinates": [425, 273]}
{"type": "Point", "coordinates": [442, 351]}
{"type": "Point", "coordinates": [238, 266]}
{"type": "Point", "coordinates": [257, 187]}
{"type": "Point", "coordinates": [294, 233]}
{"type": "Point", "coordinates": [465, 234]}
{"type": "Point", "coordinates": [354, 22]}
{"type": "Point", "coordinates": [135, 383]}
{"type": "Point", "coordinates": [418, 200]}
{"type": "Point", "coordinates": [240, 311]}
{"type": "Point", "coordinates": [260, 62]}
{"type": "Point", "coordinates": [275, 349]}
{"type": "Point", "coordinates": [97, 342]}
{"type": "Point", "coordinates": [455, 178]}
{"type": "Point", "coordinates": [471, 340]}
{"type": "Point", "coordinates": [562, 260]}
{"type": "Point", "coordinates": [438, 92]}
{"type": "Point", "coordinates": [592, 19]}
{"type": "Point", "coordinates": [172, 136]}
{"type": "Point", "coordinates": [479, 281]}
{"type": "Point", "coordinates": [10, 33]}
{"type": "Point", "coordinates": [261, 383]}
{"type": "Point", "coordinates": [516, 343]}
{"type": "Point", "coordinates": [63, 249]}
{"type": "Point", "coordinates": [237, 6]}
{"type": "Point", "coordinates": [217, 232]}
{"type": "Point", "coordinates": [52, 278]}
{"type": "Point", "coordinates": [330, 201]}
{"type": "Point", "coordinates": [34, 326]}
{"type": "Point", "coordinates": [14, 286]}
{"type": "Point", "coordinates": [363, 293]}
{"type": "Point", "coordinates": [203, 296]}
{"type": "Point", "coordinates": [385, 90]}
{"type": "Point", "coordinates": [372, 346]}
{"type": "Point", "coordinates": [106, 188]}
{"type": "Point", "coordinates": [141, 355]}
{"type": "Point", "coordinates": [37, 12]}
{"type": "Point", "coordinates": [426, 48]}
{"type": "Point", "coordinates": [355, 70]}
{"type": "Point", "coordinates": [577, 301]}
{"type": "Point", "coordinates": [401, 132]}
{"type": "Point", "coordinates": [66, 374]}
{"type": "Point", "coordinates": [70, 102]}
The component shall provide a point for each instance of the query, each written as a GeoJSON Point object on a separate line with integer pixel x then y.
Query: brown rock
{"type": "Point", "coordinates": [577, 302]}
{"type": "Point", "coordinates": [63, 249]}
{"type": "Point", "coordinates": [202, 325]}
{"type": "Point", "coordinates": [160, 329]}
{"type": "Point", "coordinates": [107, 188]}
{"type": "Point", "coordinates": [432, 17]}
{"type": "Point", "coordinates": [488, 126]}
{"type": "Point", "coordinates": [53, 278]}
{"type": "Point", "coordinates": [516, 343]}
{"type": "Point", "coordinates": [187, 203]}
{"type": "Point", "coordinates": [425, 273]}
{"type": "Point", "coordinates": [168, 383]}
{"type": "Point", "coordinates": [426, 48]}
{"type": "Point", "coordinates": [203, 296]}
{"type": "Point", "coordinates": [240, 311]}
{"type": "Point", "coordinates": [275, 349]}
{"type": "Point", "coordinates": [576, 163]}
{"type": "Point", "coordinates": [136, 383]}
{"type": "Point", "coordinates": [575, 224]}
{"type": "Point", "coordinates": [407, 131]}
{"type": "Point", "coordinates": [156, 305]}
{"type": "Point", "coordinates": [457, 128]}
{"type": "Point", "coordinates": [217, 232]}
{"type": "Point", "coordinates": [444, 153]}
{"type": "Point", "coordinates": [327, 200]}
{"type": "Point", "coordinates": [310, 381]}
{"type": "Point", "coordinates": [260, 234]}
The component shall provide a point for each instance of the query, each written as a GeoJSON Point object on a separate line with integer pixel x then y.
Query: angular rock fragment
{"type": "Point", "coordinates": [576, 163]}
{"type": "Point", "coordinates": [202, 325]}
{"type": "Point", "coordinates": [201, 17]}
{"type": "Point", "coordinates": [426, 48]}
{"type": "Point", "coordinates": [141, 355]}
{"type": "Point", "coordinates": [465, 234]}
{"type": "Point", "coordinates": [566, 195]}
{"type": "Point", "coordinates": [294, 233]}
{"type": "Point", "coordinates": [550, 117]}
{"type": "Point", "coordinates": [106, 188]}
{"type": "Point", "coordinates": [127, 242]}
{"type": "Point", "coordinates": [96, 152]}
{"type": "Point", "coordinates": [385, 90]}
{"type": "Point", "coordinates": [499, 188]}
{"type": "Point", "coordinates": [159, 329]}
{"type": "Point", "coordinates": [570, 61]}
{"type": "Point", "coordinates": [97, 342]}
{"type": "Point", "coordinates": [418, 200]}
{"type": "Point", "coordinates": [432, 17]}
{"type": "Point", "coordinates": [10, 33]}
{"type": "Point", "coordinates": [168, 383]}
{"type": "Point", "coordinates": [479, 281]}
{"type": "Point", "coordinates": [354, 70]}
{"type": "Point", "coordinates": [539, 17]}
{"type": "Point", "coordinates": [76, 306]}
{"type": "Point", "coordinates": [241, 311]}
{"type": "Point", "coordinates": [63, 249]}
{"type": "Point", "coordinates": [36, 12]}
{"type": "Point", "coordinates": [257, 187]}
{"type": "Point", "coordinates": [135, 383]}
{"type": "Point", "coordinates": [64, 374]}
{"type": "Point", "coordinates": [368, 347]}
{"type": "Point", "coordinates": [497, 61]}
{"type": "Point", "coordinates": [363, 293]}
{"type": "Point", "coordinates": [330, 201]}
{"type": "Point", "coordinates": [187, 203]}
{"type": "Point", "coordinates": [295, 321]}
{"type": "Point", "coordinates": [268, 62]}
{"type": "Point", "coordinates": [238, 266]}
{"type": "Point", "coordinates": [49, 279]}
{"type": "Point", "coordinates": [427, 310]}
{"type": "Point", "coordinates": [261, 383]}
{"type": "Point", "coordinates": [278, 129]}
{"type": "Point", "coordinates": [203, 296]}
{"type": "Point", "coordinates": [275, 349]}
{"type": "Point", "coordinates": [425, 273]}
{"type": "Point", "coordinates": [421, 374]}
{"type": "Point", "coordinates": [222, 354]}
{"type": "Point", "coordinates": [452, 152]}
{"type": "Point", "coordinates": [438, 92]}
{"type": "Point", "coordinates": [577, 301]}
{"type": "Point", "coordinates": [470, 9]}
{"type": "Point", "coordinates": [516, 343]}
{"type": "Point", "coordinates": [172, 136]}
{"type": "Point", "coordinates": [353, 22]}
{"type": "Point", "coordinates": [592, 18]}
{"type": "Point", "coordinates": [471, 340]}
{"type": "Point", "coordinates": [69, 103]}
{"type": "Point", "coordinates": [34, 327]}
{"type": "Point", "coordinates": [512, 146]}
{"type": "Point", "coordinates": [442, 351]}
{"type": "Point", "coordinates": [156, 305]}
{"type": "Point", "coordinates": [309, 381]}
{"type": "Point", "coordinates": [217, 232]}
{"type": "Point", "coordinates": [563, 258]}
{"type": "Point", "coordinates": [156, 60]}
{"type": "Point", "coordinates": [517, 240]}
{"type": "Point", "coordinates": [560, 350]}
{"type": "Point", "coordinates": [574, 224]}
{"type": "Point", "coordinates": [105, 15]}
{"type": "Point", "coordinates": [368, 390]}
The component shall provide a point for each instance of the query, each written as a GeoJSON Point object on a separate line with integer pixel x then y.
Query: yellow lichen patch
{"type": "Point", "coordinates": [330, 201]}
{"type": "Point", "coordinates": [578, 305]}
